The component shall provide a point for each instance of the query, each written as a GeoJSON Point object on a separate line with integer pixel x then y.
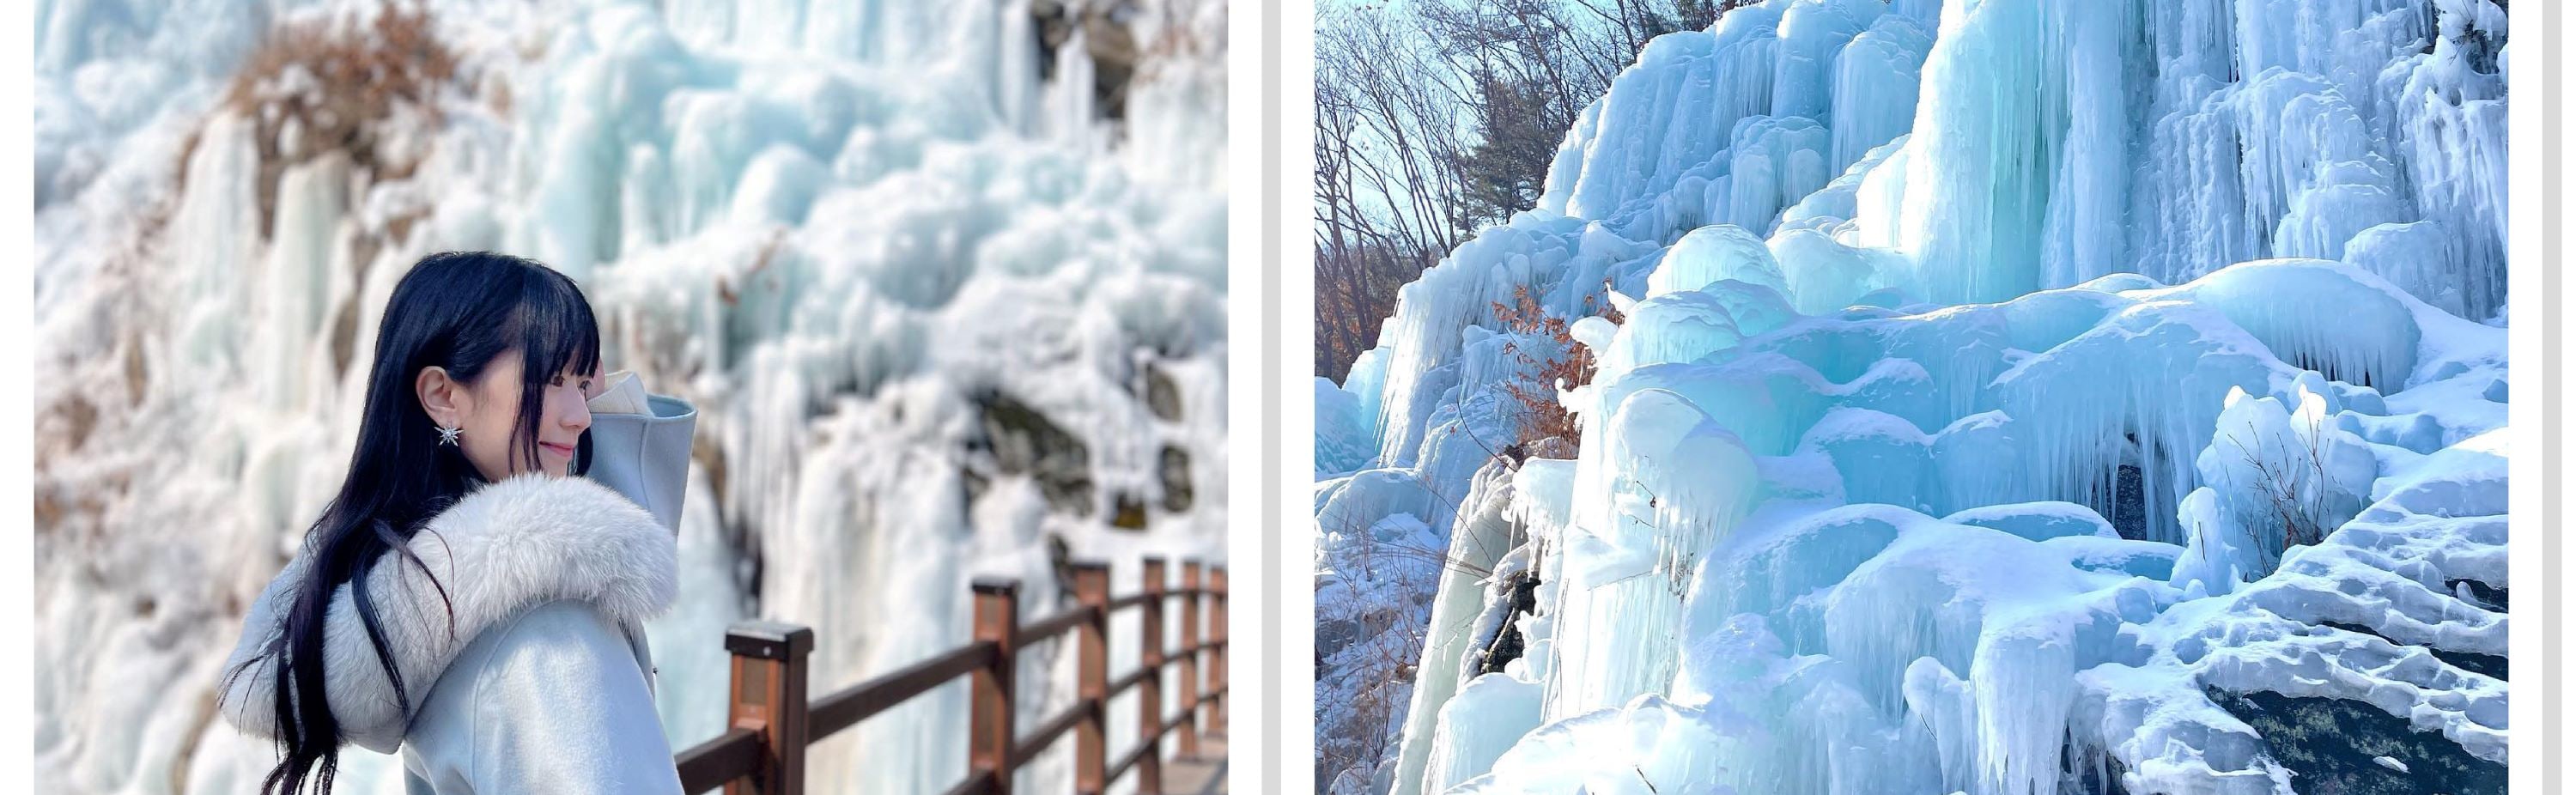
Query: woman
{"type": "Point", "coordinates": [466, 597]}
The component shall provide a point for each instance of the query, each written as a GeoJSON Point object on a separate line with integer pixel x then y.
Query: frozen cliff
{"type": "Point", "coordinates": [945, 281]}
{"type": "Point", "coordinates": [1999, 397]}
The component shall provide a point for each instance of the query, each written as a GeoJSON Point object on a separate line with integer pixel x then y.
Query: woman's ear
{"type": "Point", "coordinates": [446, 400]}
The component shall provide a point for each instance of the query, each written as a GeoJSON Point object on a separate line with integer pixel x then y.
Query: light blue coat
{"type": "Point", "coordinates": [544, 686]}
{"type": "Point", "coordinates": [557, 700]}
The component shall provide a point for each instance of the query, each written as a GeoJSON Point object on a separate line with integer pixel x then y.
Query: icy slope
{"type": "Point", "coordinates": [939, 318]}
{"type": "Point", "coordinates": [1876, 264]}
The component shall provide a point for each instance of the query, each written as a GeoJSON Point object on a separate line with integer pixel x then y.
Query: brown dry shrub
{"type": "Point", "coordinates": [1565, 364]}
{"type": "Point", "coordinates": [362, 76]}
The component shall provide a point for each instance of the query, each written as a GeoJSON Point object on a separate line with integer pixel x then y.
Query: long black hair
{"type": "Point", "coordinates": [458, 311]}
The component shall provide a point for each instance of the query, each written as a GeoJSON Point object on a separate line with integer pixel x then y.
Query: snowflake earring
{"type": "Point", "coordinates": [447, 436]}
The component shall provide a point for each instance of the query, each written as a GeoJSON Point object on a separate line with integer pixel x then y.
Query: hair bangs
{"type": "Point", "coordinates": [556, 330]}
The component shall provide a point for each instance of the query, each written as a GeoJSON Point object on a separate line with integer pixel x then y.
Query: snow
{"type": "Point", "coordinates": [2385, 572]}
{"type": "Point", "coordinates": [2110, 294]}
{"type": "Point", "coordinates": [1477, 545]}
{"type": "Point", "coordinates": [1618, 750]}
{"type": "Point", "coordinates": [848, 232]}
{"type": "Point", "coordinates": [1483, 721]}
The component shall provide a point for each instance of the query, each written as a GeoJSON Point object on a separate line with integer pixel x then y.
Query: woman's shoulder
{"type": "Point", "coordinates": [533, 538]}
{"type": "Point", "coordinates": [560, 636]}
{"type": "Point", "coordinates": [550, 570]}
{"type": "Point", "coordinates": [500, 557]}
{"type": "Point", "coordinates": [555, 698]}
{"type": "Point", "coordinates": [557, 620]}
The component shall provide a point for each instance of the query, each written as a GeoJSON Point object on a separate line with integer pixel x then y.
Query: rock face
{"type": "Point", "coordinates": [1102, 35]}
{"type": "Point", "coordinates": [1520, 598]}
{"type": "Point", "coordinates": [1022, 441]}
{"type": "Point", "coordinates": [2336, 746]}
{"type": "Point", "coordinates": [1161, 395]}
{"type": "Point", "coordinates": [1174, 470]}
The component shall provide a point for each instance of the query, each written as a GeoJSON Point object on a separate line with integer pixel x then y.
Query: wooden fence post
{"type": "Point", "coordinates": [1189, 718]}
{"type": "Point", "coordinates": [996, 608]}
{"type": "Point", "coordinates": [769, 698]}
{"type": "Point", "coordinates": [1149, 692]}
{"type": "Point", "coordinates": [1216, 654]}
{"type": "Point", "coordinates": [1091, 738]}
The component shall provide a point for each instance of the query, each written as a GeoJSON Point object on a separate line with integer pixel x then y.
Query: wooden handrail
{"type": "Point", "coordinates": [1051, 626]}
{"type": "Point", "coordinates": [709, 764]}
{"type": "Point", "coordinates": [1189, 663]}
{"type": "Point", "coordinates": [978, 784]}
{"type": "Point", "coordinates": [1149, 694]}
{"type": "Point", "coordinates": [1132, 679]}
{"type": "Point", "coordinates": [1127, 762]}
{"type": "Point", "coordinates": [1091, 676]}
{"type": "Point", "coordinates": [772, 723]}
{"type": "Point", "coordinates": [988, 728]}
{"type": "Point", "coordinates": [768, 698]}
{"type": "Point", "coordinates": [846, 707]}
{"type": "Point", "coordinates": [1045, 735]}
{"type": "Point", "coordinates": [1214, 647]}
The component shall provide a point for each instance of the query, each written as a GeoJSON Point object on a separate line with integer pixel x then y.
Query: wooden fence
{"type": "Point", "coordinates": [772, 722]}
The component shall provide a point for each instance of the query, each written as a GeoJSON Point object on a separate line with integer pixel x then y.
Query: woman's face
{"type": "Point", "coordinates": [487, 411]}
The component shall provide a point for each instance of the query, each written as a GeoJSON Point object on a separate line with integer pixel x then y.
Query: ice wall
{"type": "Point", "coordinates": [2157, 306]}
{"type": "Point", "coordinates": [939, 320]}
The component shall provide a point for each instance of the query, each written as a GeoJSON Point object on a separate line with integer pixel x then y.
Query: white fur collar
{"type": "Point", "coordinates": [502, 549]}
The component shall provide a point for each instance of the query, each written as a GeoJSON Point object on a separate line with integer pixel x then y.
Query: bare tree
{"type": "Point", "coordinates": [1386, 204]}
{"type": "Point", "coordinates": [1437, 118]}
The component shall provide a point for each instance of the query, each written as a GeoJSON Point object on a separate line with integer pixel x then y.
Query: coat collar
{"type": "Point", "coordinates": [502, 549]}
